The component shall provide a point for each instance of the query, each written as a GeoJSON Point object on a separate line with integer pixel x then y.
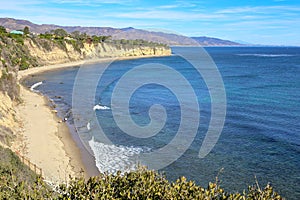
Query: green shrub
{"type": "Point", "coordinates": [3, 30]}
{"type": "Point", "coordinates": [24, 64]}
{"type": "Point", "coordinates": [148, 184]}
{"type": "Point", "coordinates": [77, 44]}
{"type": "Point", "coordinates": [45, 44]}
{"type": "Point", "coordinates": [61, 44]}
{"type": "Point", "coordinates": [47, 36]}
{"type": "Point", "coordinates": [18, 38]}
{"type": "Point", "coordinates": [17, 181]}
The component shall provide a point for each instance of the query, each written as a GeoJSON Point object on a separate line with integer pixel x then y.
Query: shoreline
{"type": "Point", "coordinates": [31, 71]}
{"type": "Point", "coordinates": [64, 150]}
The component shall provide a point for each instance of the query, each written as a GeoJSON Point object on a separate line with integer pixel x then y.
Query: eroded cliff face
{"type": "Point", "coordinates": [48, 53]}
{"type": "Point", "coordinates": [8, 120]}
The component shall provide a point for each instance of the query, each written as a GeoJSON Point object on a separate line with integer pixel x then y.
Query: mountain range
{"type": "Point", "coordinates": [120, 33]}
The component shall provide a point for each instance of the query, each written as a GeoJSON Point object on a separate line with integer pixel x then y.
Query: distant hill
{"type": "Point", "coordinates": [208, 41]}
{"type": "Point", "coordinates": [117, 33]}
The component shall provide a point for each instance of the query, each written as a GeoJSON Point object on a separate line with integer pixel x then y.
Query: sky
{"type": "Point", "coordinates": [267, 22]}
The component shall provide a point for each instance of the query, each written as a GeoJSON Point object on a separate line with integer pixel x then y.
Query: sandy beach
{"type": "Point", "coordinates": [45, 139]}
{"type": "Point", "coordinates": [25, 73]}
{"type": "Point", "coordinates": [46, 142]}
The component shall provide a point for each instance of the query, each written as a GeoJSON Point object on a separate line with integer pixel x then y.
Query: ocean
{"type": "Point", "coordinates": [126, 112]}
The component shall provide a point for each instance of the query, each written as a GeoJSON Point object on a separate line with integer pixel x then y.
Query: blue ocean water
{"type": "Point", "coordinates": [260, 137]}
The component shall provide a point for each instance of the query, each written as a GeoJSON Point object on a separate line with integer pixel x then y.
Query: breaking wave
{"type": "Point", "coordinates": [32, 88]}
{"type": "Point", "coordinates": [100, 107]}
{"type": "Point", "coordinates": [112, 158]}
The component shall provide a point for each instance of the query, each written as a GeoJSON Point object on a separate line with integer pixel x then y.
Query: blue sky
{"type": "Point", "coordinates": [271, 22]}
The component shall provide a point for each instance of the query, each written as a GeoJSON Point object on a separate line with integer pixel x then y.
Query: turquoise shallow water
{"type": "Point", "coordinates": [261, 135]}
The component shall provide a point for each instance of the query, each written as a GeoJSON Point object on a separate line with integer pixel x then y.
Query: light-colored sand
{"type": "Point", "coordinates": [44, 138]}
{"type": "Point", "coordinates": [34, 70]}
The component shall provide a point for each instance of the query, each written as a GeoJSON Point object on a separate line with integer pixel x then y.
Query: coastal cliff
{"type": "Point", "coordinates": [47, 52]}
{"type": "Point", "coordinates": [20, 52]}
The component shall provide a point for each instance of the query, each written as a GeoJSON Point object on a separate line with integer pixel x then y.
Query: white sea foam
{"type": "Point", "coordinates": [88, 126]}
{"type": "Point", "coordinates": [32, 88]}
{"type": "Point", "coordinates": [266, 55]}
{"type": "Point", "coordinates": [112, 158]}
{"type": "Point", "coordinates": [100, 107]}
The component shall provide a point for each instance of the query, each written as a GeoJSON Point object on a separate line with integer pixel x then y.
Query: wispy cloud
{"type": "Point", "coordinates": [167, 15]}
{"type": "Point", "coordinates": [174, 6]}
{"type": "Point", "coordinates": [262, 24]}
{"type": "Point", "coordinates": [168, 6]}
{"type": "Point", "coordinates": [94, 2]}
{"type": "Point", "coordinates": [258, 9]}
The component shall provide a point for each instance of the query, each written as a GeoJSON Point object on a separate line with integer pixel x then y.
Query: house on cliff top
{"type": "Point", "coordinates": [17, 32]}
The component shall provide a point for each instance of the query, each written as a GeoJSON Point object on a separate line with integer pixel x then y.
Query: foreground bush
{"type": "Point", "coordinates": [17, 181]}
{"type": "Point", "coordinates": [146, 184]}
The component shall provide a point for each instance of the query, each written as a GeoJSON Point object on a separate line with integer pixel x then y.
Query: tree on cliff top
{"type": "Point", "coordinates": [60, 32]}
{"type": "Point", "coordinates": [2, 30]}
{"type": "Point", "coordinates": [26, 30]}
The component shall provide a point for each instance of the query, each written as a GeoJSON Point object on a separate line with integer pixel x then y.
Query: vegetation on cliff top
{"type": "Point", "coordinates": [18, 182]}
{"type": "Point", "coordinates": [14, 56]}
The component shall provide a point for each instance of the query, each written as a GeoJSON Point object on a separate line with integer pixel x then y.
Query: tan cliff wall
{"type": "Point", "coordinates": [9, 123]}
{"type": "Point", "coordinates": [10, 53]}
{"type": "Point", "coordinates": [55, 54]}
